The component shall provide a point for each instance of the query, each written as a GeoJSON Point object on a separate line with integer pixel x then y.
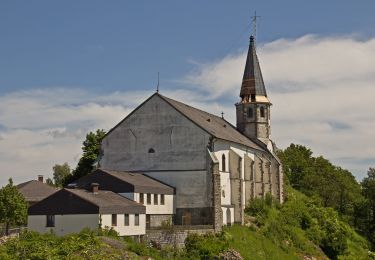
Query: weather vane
{"type": "Point", "coordinates": [254, 22]}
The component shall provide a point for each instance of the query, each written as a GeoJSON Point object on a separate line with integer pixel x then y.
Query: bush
{"type": "Point", "coordinates": [206, 246]}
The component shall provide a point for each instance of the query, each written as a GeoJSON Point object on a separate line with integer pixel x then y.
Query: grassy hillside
{"type": "Point", "coordinates": [295, 230]}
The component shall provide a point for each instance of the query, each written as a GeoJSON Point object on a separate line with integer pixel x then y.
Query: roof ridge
{"type": "Point", "coordinates": [170, 101]}
{"type": "Point", "coordinates": [190, 106]}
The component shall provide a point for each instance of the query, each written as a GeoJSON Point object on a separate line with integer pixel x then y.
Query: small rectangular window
{"type": "Point", "coordinates": [126, 219]}
{"type": "Point", "coordinates": [156, 199]}
{"type": "Point", "coordinates": [148, 198]}
{"type": "Point", "coordinates": [162, 199]}
{"type": "Point", "coordinates": [250, 112]}
{"type": "Point", "coordinates": [141, 198]}
{"type": "Point", "coordinates": [114, 220]}
{"type": "Point", "coordinates": [50, 221]}
{"type": "Point", "coordinates": [136, 219]}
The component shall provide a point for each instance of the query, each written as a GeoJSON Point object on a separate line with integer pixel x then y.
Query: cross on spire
{"type": "Point", "coordinates": [254, 22]}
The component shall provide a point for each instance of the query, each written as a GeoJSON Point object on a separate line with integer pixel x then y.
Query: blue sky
{"type": "Point", "coordinates": [68, 67]}
{"type": "Point", "coordinates": [116, 45]}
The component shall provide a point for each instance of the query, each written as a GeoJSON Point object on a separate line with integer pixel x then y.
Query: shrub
{"type": "Point", "coordinates": [206, 246]}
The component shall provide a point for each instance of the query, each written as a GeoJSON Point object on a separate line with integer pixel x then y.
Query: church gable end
{"type": "Point", "coordinates": [155, 136]}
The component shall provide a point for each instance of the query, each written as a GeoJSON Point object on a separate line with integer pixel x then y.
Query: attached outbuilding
{"type": "Point", "coordinates": [71, 210]}
{"type": "Point", "coordinates": [157, 197]}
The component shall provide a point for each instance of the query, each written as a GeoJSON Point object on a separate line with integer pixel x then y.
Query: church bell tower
{"type": "Point", "coordinates": [253, 111]}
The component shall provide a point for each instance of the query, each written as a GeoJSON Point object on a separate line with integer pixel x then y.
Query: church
{"type": "Point", "coordinates": [215, 168]}
{"type": "Point", "coordinates": [168, 163]}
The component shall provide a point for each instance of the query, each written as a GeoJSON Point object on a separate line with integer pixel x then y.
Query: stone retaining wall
{"type": "Point", "coordinates": [172, 237]}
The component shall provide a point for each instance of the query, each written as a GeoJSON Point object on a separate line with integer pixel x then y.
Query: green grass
{"type": "Point", "coordinates": [253, 245]}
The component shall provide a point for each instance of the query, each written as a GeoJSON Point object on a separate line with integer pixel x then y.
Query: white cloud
{"type": "Point", "coordinates": [322, 90]}
{"type": "Point", "coordinates": [42, 127]}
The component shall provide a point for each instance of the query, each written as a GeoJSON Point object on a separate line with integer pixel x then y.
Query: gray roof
{"type": "Point", "coordinates": [109, 202]}
{"type": "Point", "coordinates": [78, 201]}
{"type": "Point", "coordinates": [34, 191]}
{"type": "Point", "coordinates": [121, 182]}
{"type": "Point", "coordinates": [252, 82]}
{"type": "Point", "coordinates": [214, 125]}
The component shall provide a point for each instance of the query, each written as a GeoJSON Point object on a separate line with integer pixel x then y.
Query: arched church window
{"type": "Point", "coordinates": [250, 112]}
{"type": "Point", "coordinates": [261, 111]}
{"type": "Point", "coordinates": [223, 162]}
{"type": "Point", "coordinates": [151, 150]}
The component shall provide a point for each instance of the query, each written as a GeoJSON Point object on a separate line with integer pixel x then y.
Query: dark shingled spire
{"type": "Point", "coordinates": [252, 82]}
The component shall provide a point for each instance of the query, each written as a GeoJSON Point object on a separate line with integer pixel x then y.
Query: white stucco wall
{"type": "Point", "coordinates": [166, 209]}
{"type": "Point", "coordinates": [224, 210]}
{"type": "Point", "coordinates": [64, 224]}
{"type": "Point", "coordinates": [123, 230]}
{"type": "Point", "coordinates": [225, 188]}
{"type": "Point", "coordinates": [222, 147]}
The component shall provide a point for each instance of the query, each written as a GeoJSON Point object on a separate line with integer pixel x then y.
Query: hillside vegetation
{"type": "Point", "coordinates": [327, 214]}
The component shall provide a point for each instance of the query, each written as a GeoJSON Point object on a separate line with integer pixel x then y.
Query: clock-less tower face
{"type": "Point", "coordinates": [253, 112]}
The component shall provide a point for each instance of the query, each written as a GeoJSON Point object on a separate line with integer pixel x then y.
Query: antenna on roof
{"type": "Point", "coordinates": [254, 22]}
{"type": "Point", "coordinates": [157, 87]}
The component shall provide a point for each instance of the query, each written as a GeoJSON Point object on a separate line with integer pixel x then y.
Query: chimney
{"type": "Point", "coordinates": [94, 187]}
{"type": "Point", "coordinates": [40, 178]}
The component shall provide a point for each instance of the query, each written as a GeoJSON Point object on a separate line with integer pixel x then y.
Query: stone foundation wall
{"type": "Point", "coordinates": [172, 237]}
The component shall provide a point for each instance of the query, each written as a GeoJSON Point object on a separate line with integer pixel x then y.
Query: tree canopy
{"type": "Point", "coordinates": [13, 206]}
{"type": "Point", "coordinates": [91, 151]}
{"type": "Point", "coordinates": [60, 173]}
{"type": "Point", "coordinates": [332, 186]}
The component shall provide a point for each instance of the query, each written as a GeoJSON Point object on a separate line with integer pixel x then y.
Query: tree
{"type": "Point", "coordinates": [91, 151]}
{"type": "Point", "coordinates": [60, 173]}
{"type": "Point", "coordinates": [13, 206]}
{"type": "Point", "coordinates": [368, 189]}
{"type": "Point", "coordinates": [296, 163]}
{"type": "Point", "coordinates": [49, 181]}
{"type": "Point", "coordinates": [317, 177]}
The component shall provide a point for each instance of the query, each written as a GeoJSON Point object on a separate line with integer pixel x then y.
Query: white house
{"type": "Point", "coordinates": [71, 210]}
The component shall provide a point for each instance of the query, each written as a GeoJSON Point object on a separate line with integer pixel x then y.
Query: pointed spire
{"type": "Point", "coordinates": [252, 82]}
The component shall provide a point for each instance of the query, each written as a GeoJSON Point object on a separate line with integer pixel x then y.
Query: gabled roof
{"type": "Point", "coordinates": [78, 201]}
{"type": "Point", "coordinates": [109, 202]}
{"type": "Point", "coordinates": [34, 191]}
{"type": "Point", "coordinates": [122, 182]}
{"type": "Point", "coordinates": [214, 125]}
{"type": "Point", "coordinates": [252, 81]}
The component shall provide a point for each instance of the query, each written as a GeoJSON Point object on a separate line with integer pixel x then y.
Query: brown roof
{"type": "Point", "coordinates": [34, 191]}
{"type": "Point", "coordinates": [121, 182]}
{"type": "Point", "coordinates": [78, 201]}
{"type": "Point", "coordinates": [252, 82]}
{"type": "Point", "coordinates": [214, 125]}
